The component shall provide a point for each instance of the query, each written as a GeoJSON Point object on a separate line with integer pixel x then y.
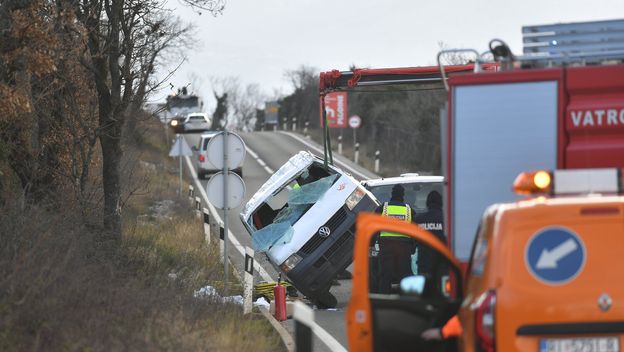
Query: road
{"type": "Point", "coordinates": [267, 151]}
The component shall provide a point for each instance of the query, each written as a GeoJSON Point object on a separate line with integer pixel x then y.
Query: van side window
{"type": "Point", "coordinates": [479, 250]}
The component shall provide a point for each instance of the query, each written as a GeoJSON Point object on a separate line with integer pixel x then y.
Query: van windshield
{"type": "Point", "coordinates": [272, 221]}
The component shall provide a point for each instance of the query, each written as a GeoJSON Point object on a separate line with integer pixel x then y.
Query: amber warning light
{"type": "Point", "coordinates": [535, 182]}
{"type": "Point", "coordinates": [576, 181]}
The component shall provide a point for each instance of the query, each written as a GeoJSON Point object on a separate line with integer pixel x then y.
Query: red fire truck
{"type": "Point", "coordinates": [559, 105]}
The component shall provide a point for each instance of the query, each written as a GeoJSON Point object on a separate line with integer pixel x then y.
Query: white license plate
{"type": "Point", "coordinates": [592, 344]}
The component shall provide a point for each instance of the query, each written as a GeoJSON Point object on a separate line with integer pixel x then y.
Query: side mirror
{"type": "Point", "coordinates": [413, 285]}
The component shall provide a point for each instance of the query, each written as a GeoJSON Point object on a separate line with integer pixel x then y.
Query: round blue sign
{"type": "Point", "coordinates": [555, 255]}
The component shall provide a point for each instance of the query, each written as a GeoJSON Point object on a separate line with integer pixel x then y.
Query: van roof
{"type": "Point", "coordinates": [405, 178]}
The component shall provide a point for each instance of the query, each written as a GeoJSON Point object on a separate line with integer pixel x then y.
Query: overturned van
{"type": "Point", "coordinates": [303, 218]}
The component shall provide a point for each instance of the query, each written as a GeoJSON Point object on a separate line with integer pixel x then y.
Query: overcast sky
{"type": "Point", "coordinates": [258, 40]}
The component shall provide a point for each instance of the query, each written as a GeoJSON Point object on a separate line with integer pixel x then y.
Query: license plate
{"type": "Point", "coordinates": [592, 344]}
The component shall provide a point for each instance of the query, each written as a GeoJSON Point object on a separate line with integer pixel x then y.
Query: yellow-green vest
{"type": "Point", "coordinates": [401, 212]}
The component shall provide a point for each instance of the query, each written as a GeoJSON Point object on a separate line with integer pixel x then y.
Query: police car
{"type": "Point", "coordinates": [417, 188]}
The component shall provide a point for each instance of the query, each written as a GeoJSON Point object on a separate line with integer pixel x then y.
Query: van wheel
{"type": "Point", "coordinates": [325, 300]}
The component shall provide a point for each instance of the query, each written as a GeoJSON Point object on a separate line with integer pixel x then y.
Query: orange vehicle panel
{"type": "Point", "coordinates": [529, 307]}
{"type": "Point", "coordinates": [359, 321]}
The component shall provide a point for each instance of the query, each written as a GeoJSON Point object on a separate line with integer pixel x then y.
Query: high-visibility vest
{"type": "Point", "coordinates": [401, 212]}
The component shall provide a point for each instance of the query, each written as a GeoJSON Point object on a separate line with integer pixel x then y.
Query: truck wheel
{"type": "Point", "coordinates": [325, 300]}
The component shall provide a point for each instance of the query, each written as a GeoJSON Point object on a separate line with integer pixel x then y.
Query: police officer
{"type": "Point", "coordinates": [433, 221]}
{"type": "Point", "coordinates": [395, 249]}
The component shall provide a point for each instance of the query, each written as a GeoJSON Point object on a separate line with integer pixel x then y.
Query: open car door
{"type": "Point", "coordinates": [425, 299]}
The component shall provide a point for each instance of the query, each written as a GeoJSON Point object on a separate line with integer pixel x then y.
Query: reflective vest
{"type": "Point", "coordinates": [401, 212]}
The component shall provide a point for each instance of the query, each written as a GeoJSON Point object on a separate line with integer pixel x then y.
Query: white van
{"type": "Point", "coordinates": [303, 218]}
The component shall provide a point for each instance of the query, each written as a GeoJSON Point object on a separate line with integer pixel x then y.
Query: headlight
{"type": "Point", "coordinates": [174, 123]}
{"type": "Point", "coordinates": [290, 263]}
{"type": "Point", "coordinates": [355, 198]}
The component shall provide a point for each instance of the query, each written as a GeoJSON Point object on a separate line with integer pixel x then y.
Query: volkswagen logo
{"type": "Point", "coordinates": [324, 232]}
{"type": "Point", "coordinates": [604, 302]}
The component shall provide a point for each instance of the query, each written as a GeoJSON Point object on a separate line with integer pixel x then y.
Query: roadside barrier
{"type": "Point", "coordinates": [377, 161]}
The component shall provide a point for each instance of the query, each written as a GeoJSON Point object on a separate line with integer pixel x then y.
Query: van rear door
{"type": "Point", "coordinates": [562, 284]}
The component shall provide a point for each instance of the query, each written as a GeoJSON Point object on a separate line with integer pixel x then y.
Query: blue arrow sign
{"type": "Point", "coordinates": [555, 255]}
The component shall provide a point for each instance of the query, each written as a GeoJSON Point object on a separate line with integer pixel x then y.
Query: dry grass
{"type": "Point", "coordinates": [61, 290]}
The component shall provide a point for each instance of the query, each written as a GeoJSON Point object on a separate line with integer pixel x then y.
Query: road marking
{"type": "Point", "coordinates": [336, 160]}
{"type": "Point", "coordinates": [241, 249]}
{"type": "Point", "coordinates": [259, 161]}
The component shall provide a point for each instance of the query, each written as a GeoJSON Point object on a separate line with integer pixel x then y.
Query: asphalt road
{"type": "Point", "coordinates": [266, 152]}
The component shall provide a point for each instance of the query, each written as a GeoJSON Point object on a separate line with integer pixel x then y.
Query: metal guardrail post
{"type": "Point", "coordinates": [206, 225]}
{"type": "Point", "coordinates": [285, 124]}
{"type": "Point", "coordinates": [249, 279]}
{"type": "Point", "coordinates": [340, 145]}
{"type": "Point", "coordinates": [305, 129]}
{"type": "Point", "coordinates": [221, 241]}
{"type": "Point", "coordinates": [356, 157]}
{"type": "Point", "coordinates": [304, 318]}
{"type": "Point", "coordinates": [198, 207]}
{"type": "Point", "coordinates": [294, 124]}
{"type": "Point", "coordinates": [377, 161]}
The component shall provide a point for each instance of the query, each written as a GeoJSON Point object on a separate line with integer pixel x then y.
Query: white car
{"type": "Point", "coordinates": [416, 188]}
{"type": "Point", "coordinates": [303, 218]}
{"type": "Point", "coordinates": [197, 121]}
{"type": "Point", "coordinates": [205, 167]}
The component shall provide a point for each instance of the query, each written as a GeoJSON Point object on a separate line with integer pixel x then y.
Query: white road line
{"type": "Point", "coordinates": [259, 161]}
{"type": "Point", "coordinates": [213, 210]}
{"type": "Point", "coordinates": [336, 160]}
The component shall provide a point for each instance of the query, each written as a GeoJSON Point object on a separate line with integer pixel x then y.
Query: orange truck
{"type": "Point", "coordinates": [544, 275]}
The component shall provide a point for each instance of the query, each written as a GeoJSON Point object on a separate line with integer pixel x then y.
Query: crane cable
{"type": "Point", "coordinates": [327, 152]}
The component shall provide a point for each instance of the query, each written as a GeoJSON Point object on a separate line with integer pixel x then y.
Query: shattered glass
{"type": "Point", "coordinates": [295, 164]}
{"type": "Point", "coordinates": [299, 200]}
{"type": "Point", "coordinates": [310, 193]}
{"type": "Point", "coordinates": [268, 236]}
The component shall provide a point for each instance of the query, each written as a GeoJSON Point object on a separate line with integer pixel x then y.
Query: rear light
{"type": "Point", "coordinates": [202, 158]}
{"type": "Point", "coordinates": [484, 320]}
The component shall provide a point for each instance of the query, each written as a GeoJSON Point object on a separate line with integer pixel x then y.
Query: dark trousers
{"type": "Point", "coordinates": [394, 261]}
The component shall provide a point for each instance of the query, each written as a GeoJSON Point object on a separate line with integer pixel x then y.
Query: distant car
{"type": "Point", "coordinates": [417, 188]}
{"type": "Point", "coordinates": [197, 121]}
{"type": "Point", "coordinates": [177, 123]}
{"type": "Point", "coordinates": [205, 167]}
{"type": "Point", "coordinates": [303, 218]}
